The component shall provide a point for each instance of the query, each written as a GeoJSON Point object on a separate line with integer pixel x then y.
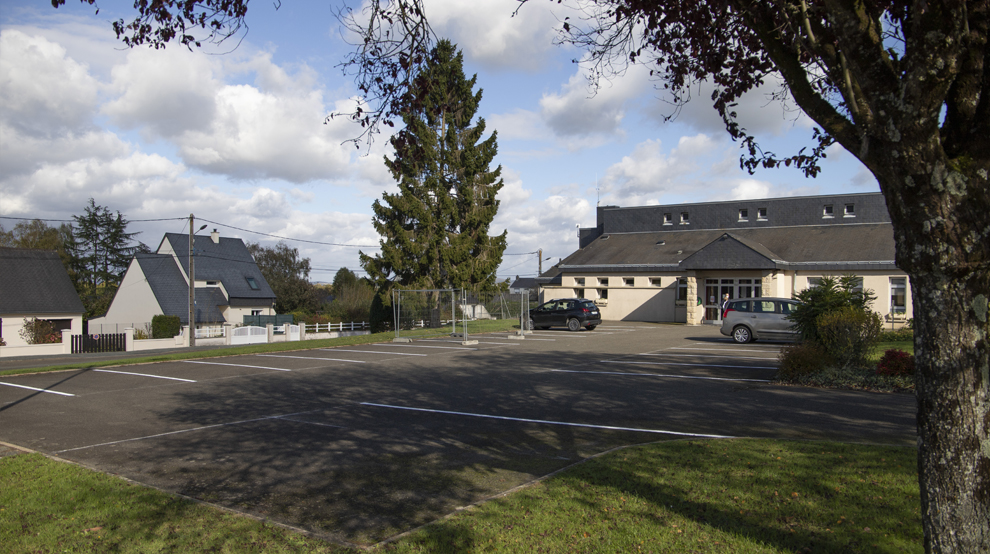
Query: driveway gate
{"type": "Point", "coordinates": [104, 342]}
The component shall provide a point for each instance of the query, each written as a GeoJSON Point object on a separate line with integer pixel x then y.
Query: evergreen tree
{"type": "Point", "coordinates": [100, 249]}
{"type": "Point", "coordinates": [435, 228]}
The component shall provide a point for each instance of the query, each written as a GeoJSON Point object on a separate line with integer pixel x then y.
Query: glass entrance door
{"type": "Point", "coordinates": [716, 289]}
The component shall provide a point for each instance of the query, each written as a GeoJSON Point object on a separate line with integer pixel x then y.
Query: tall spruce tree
{"type": "Point", "coordinates": [101, 249]}
{"type": "Point", "coordinates": [435, 229]}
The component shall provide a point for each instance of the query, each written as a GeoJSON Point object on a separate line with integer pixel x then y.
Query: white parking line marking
{"type": "Point", "coordinates": [143, 375]}
{"type": "Point", "coordinates": [701, 356]}
{"type": "Point", "coordinates": [660, 375]}
{"type": "Point", "coordinates": [472, 337]}
{"type": "Point", "coordinates": [547, 422]}
{"type": "Point", "coordinates": [36, 389]}
{"type": "Point", "coordinates": [309, 358]}
{"type": "Point", "coordinates": [400, 345]}
{"type": "Point", "coordinates": [374, 352]}
{"type": "Point", "coordinates": [238, 365]}
{"type": "Point", "coordinates": [183, 431]}
{"type": "Point", "coordinates": [696, 365]}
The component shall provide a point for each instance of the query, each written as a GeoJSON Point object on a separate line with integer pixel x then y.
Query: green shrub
{"type": "Point", "coordinates": [40, 331]}
{"type": "Point", "coordinates": [165, 326]}
{"type": "Point", "coordinates": [830, 295]}
{"type": "Point", "coordinates": [896, 362]}
{"type": "Point", "coordinates": [849, 335]}
{"type": "Point", "coordinates": [900, 335]}
{"type": "Point", "coordinates": [801, 359]}
{"type": "Point", "coordinates": [381, 316]}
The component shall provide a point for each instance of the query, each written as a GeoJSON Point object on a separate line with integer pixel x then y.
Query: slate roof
{"type": "Point", "coordinates": [838, 247]}
{"type": "Point", "coordinates": [172, 293]}
{"type": "Point", "coordinates": [35, 282]}
{"type": "Point", "coordinates": [227, 261]}
{"type": "Point", "coordinates": [523, 283]}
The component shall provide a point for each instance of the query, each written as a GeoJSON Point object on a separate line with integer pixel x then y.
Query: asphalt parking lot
{"type": "Point", "coordinates": [362, 442]}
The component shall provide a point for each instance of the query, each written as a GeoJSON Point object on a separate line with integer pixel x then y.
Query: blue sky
{"type": "Point", "coordinates": [236, 135]}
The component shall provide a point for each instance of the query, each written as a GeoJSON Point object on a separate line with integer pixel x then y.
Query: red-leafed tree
{"type": "Point", "coordinates": [903, 85]}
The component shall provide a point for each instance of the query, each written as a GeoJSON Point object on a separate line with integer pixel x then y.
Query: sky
{"type": "Point", "coordinates": [235, 134]}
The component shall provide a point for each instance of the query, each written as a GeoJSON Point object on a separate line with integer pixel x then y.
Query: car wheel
{"type": "Point", "coordinates": [742, 335]}
{"type": "Point", "coordinates": [573, 325]}
{"type": "Point", "coordinates": [591, 327]}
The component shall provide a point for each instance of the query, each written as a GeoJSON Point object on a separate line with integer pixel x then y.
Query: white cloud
{"type": "Point", "coordinates": [43, 92]}
{"type": "Point", "coordinates": [488, 34]}
{"type": "Point", "coordinates": [647, 173]}
{"type": "Point", "coordinates": [164, 93]}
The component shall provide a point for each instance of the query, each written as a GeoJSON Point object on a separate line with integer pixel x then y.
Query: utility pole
{"type": "Point", "coordinates": [192, 287]}
{"type": "Point", "coordinates": [539, 255]}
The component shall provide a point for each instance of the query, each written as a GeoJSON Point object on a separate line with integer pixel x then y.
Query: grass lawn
{"type": "Point", "coordinates": [479, 326]}
{"type": "Point", "coordinates": [729, 496]}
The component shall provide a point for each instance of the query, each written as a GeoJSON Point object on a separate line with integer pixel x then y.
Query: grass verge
{"type": "Point", "coordinates": [474, 327]}
{"type": "Point", "coordinates": [731, 496]}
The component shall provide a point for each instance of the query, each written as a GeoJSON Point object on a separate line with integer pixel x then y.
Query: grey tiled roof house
{"type": "Point", "coordinates": [675, 262]}
{"type": "Point", "coordinates": [34, 284]}
{"type": "Point", "coordinates": [229, 284]}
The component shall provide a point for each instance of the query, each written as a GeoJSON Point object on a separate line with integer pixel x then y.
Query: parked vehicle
{"type": "Point", "coordinates": [759, 319]}
{"type": "Point", "coordinates": [574, 313]}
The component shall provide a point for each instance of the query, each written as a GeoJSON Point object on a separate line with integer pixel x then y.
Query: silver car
{"type": "Point", "coordinates": [759, 318]}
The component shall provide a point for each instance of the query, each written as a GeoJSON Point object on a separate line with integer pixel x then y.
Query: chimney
{"type": "Point", "coordinates": [215, 236]}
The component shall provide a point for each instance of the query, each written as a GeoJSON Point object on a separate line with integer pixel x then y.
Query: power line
{"type": "Point", "coordinates": [73, 220]}
{"type": "Point", "coordinates": [290, 238]}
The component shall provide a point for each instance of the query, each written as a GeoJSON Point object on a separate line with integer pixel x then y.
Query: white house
{"type": "Point", "coordinates": [34, 284]}
{"type": "Point", "coordinates": [229, 285]}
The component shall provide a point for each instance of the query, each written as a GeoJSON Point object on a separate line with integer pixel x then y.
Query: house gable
{"type": "Point", "coordinates": [728, 253]}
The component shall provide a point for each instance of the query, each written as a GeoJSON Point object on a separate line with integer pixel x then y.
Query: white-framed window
{"type": "Point", "coordinates": [814, 282]}
{"type": "Point", "coordinates": [681, 289]}
{"type": "Point", "coordinates": [656, 282]}
{"type": "Point", "coordinates": [629, 281]}
{"type": "Point", "coordinates": [603, 294]}
{"type": "Point", "coordinates": [685, 218]}
{"type": "Point", "coordinates": [898, 295]}
{"type": "Point", "coordinates": [828, 211]}
{"type": "Point", "coordinates": [858, 285]}
{"type": "Point", "coordinates": [579, 281]}
{"type": "Point", "coordinates": [579, 293]}
{"type": "Point", "coordinates": [743, 214]}
{"type": "Point", "coordinates": [761, 214]}
{"type": "Point", "coordinates": [256, 312]}
{"type": "Point", "coordinates": [668, 219]}
{"type": "Point", "coordinates": [850, 211]}
{"type": "Point", "coordinates": [603, 281]}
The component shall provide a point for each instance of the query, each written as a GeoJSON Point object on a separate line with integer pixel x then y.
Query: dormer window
{"type": "Point", "coordinates": [668, 219]}
{"type": "Point", "coordinates": [684, 218]}
{"type": "Point", "coordinates": [850, 210]}
{"type": "Point", "coordinates": [213, 283]}
{"type": "Point", "coordinates": [252, 283]}
{"type": "Point", "coordinates": [827, 211]}
{"type": "Point", "coordinates": [761, 214]}
{"type": "Point", "coordinates": [743, 214]}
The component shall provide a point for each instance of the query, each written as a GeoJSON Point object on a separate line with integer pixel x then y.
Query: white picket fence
{"type": "Point", "coordinates": [329, 327]}
{"type": "Point", "coordinates": [210, 332]}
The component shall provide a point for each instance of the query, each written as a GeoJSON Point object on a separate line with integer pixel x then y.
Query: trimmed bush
{"type": "Point", "coordinates": [801, 359]}
{"type": "Point", "coordinates": [900, 335]}
{"type": "Point", "coordinates": [896, 362]}
{"type": "Point", "coordinates": [165, 326]}
{"type": "Point", "coordinates": [849, 335]}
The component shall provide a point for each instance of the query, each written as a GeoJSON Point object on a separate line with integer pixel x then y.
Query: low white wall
{"type": "Point", "coordinates": [152, 344]}
{"type": "Point", "coordinates": [35, 350]}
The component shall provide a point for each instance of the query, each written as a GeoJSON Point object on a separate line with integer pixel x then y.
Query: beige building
{"type": "Point", "coordinates": [674, 263]}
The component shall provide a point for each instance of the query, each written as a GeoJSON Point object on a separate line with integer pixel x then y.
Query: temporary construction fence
{"type": "Point", "coordinates": [424, 309]}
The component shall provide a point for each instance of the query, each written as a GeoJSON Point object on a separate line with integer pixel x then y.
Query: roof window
{"type": "Point", "coordinates": [252, 283]}
{"type": "Point", "coordinates": [761, 214]}
{"type": "Point", "coordinates": [668, 219]}
{"type": "Point", "coordinates": [827, 211]}
{"type": "Point", "coordinates": [850, 210]}
{"type": "Point", "coordinates": [685, 218]}
{"type": "Point", "coordinates": [743, 214]}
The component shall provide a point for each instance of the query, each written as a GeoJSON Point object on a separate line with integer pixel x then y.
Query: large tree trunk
{"type": "Point", "coordinates": [941, 220]}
